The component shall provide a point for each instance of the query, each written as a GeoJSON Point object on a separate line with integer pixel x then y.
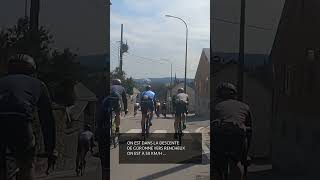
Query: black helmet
{"type": "Point", "coordinates": [87, 127]}
{"type": "Point", "coordinates": [180, 90]}
{"type": "Point", "coordinates": [148, 88]}
{"type": "Point", "coordinates": [226, 91]}
{"type": "Point", "coordinates": [21, 63]}
{"type": "Point", "coordinates": [116, 82]}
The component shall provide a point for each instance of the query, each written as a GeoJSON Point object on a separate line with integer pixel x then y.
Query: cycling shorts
{"type": "Point", "coordinates": [147, 106]}
{"type": "Point", "coordinates": [229, 141]}
{"type": "Point", "coordinates": [180, 108]}
{"type": "Point", "coordinates": [17, 135]}
{"type": "Point", "coordinates": [115, 104]}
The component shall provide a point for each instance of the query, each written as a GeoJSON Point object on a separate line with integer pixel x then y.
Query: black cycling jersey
{"type": "Point", "coordinates": [120, 92]}
{"type": "Point", "coordinates": [20, 97]}
{"type": "Point", "coordinates": [233, 111]}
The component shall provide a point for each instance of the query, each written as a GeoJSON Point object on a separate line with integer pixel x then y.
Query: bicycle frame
{"type": "Point", "coordinates": [147, 124]}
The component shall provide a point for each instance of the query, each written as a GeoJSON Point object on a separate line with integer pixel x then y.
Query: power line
{"type": "Point", "coordinates": [146, 59]}
{"type": "Point", "coordinates": [250, 26]}
{"type": "Point", "coordinates": [150, 59]}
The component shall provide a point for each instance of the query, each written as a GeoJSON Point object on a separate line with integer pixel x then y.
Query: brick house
{"type": "Point", "coordinates": [202, 84]}
{"type": "Point", "coordinates": [296, 61]}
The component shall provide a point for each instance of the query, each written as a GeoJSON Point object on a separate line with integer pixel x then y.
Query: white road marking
{"type": "Point", "coordinates": [199, 130]}
{"type": "Point", "coordinates": [134, 131]}
{"type": "Point", "coordinates": [186, 132]}
{"type": "Point", "coordinates": [160, 131]}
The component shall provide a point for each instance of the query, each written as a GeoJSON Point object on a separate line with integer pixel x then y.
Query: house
{"type": "Point", "coordinates": [190, 93]}
{"type": "Point", "coordinates": [202, 85]}
{"type": "Point", "coordinates": [295, 58]}
{"type": "Point", "coordinates": [255, 92]}
{"type": "Point", "coordinates": [84, 107]}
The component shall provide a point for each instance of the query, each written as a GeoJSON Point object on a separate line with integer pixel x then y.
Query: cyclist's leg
{"type": "Point", "coordinates": [151, 109]}
{"type": "Point", "coordinates": [144, 110]}
{"type": "Point", "coordinates": [23, 146]}
{"type": "Point", "coordinates": [177, 121]}
{"type": "Point", "coordinates": [78, 156]}
{"type": "Point", "coordinates": [143, 119]}
{"type": "Point", "coordinates": [103, 141]}
{"type": "Point", "coordinates": [117, 120]}
{"type": "Point", "coordinates": [183, 119]}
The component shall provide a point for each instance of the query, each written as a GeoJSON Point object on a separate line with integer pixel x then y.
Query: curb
{"type": "Point", "coordinates": [206, 141]}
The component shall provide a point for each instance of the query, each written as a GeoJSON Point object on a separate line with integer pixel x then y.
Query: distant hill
{"type": "Point", "coordinates": [164, 80]}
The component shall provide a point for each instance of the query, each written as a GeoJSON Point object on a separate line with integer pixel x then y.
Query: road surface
{"type": "Point", "coordinates": [146, 171]}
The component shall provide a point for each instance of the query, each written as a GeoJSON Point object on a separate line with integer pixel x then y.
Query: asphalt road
{"type": "Point", "coordinates": [145, 171]}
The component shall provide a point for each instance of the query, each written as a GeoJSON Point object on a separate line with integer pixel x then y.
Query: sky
{"type": "Point", "coordinates": [152, 37]}
{"type": "Point", "coordinates": [261, 13]}
{"type": "Point", "coordinates": [81, 25]}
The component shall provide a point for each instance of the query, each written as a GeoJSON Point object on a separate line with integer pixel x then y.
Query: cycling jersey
{"type": "Point", "coordinates": [20, 97]}
{"type": "Point", "coordinates": [233, 111]}
{"type": "Point", "coordinates": [85, 140]}
{"type": "Point", "coordinates": [151, 96]}
{"type": "Point", "coordinates": [118, 91]}
{"type": "Point", "coordinates": [182, 97]}
{"type": "Point", "coordinates": [148, 100]}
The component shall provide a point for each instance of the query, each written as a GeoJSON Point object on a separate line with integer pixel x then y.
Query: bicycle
{"type": "Point", "coordinates": [145, 131]}
{"type": "Point", "coordinates": [180, 125]}
{"type": "Point", "coordinates": [180, 129]}
{"type": "Point", "coordinates": [229, 156]}
{"type": "Point", "coordinates": [113, 134]}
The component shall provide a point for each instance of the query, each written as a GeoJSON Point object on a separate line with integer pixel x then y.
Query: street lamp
{"type": "Point", "coordinates": [186, 55]}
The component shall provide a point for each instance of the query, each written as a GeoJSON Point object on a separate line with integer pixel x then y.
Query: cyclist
{"type": "Point", "coordinates": [181, 110]}
{"type": "Point", "coordinates": [164, 109]}
{"type": "Point", "coordinates": [118, 94]}
{"type": "Point", "coordinates": [21, 94]}
{"type": "Point", "coordinates": [103, 135]}
{"type": "Point", "coordinates": [157, 110]}
{"type": "Point", "coordinates": [85, 143]}
{"type": "Point", "coordinates": [148, 100]}
{"type": "Point", "coordinates": [232, 131]}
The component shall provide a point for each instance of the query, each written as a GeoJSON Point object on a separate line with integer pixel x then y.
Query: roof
{"type": "Point", "coordinates": [136, 91]}
{"type": "Point", "coordinates": [206, 53]}
{"type": "Point", "coordinates": [82, 93]}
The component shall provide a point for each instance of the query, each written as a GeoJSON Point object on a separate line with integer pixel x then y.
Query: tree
{"type": "Point", "coordinates": [128, 83]}
{"type": "Point", "coordinates": [16, 39]}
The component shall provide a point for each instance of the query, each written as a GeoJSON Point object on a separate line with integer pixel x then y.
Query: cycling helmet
{"type": "Point", "coordinates": [180, 90]}
{"type": "Point", "coordinates": [21, 63]}
{"type": "Point", "coordinates": [87, 127]}
{"type": "Point", "coordinates": [148, 88]}
{"type": "Point", "coordinates": [226, 91]}
{"type": "Point", "coordinates": [116, 82]}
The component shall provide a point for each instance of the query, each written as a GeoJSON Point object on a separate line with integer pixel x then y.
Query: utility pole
{"type": "Point", "coordinates": [26, 8]}
{"type": "Point", "coordinates": [121, 42]}
{"type": "Point", "coordinates": [34, 28]}
{"type": "Point", "coordinates": [123, 48]}
{"type": "Point", "coordinates": [241, 50]}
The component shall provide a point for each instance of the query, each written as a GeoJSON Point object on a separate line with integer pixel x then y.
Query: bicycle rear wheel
{"type": "Point", "coordinates": [180, 131]}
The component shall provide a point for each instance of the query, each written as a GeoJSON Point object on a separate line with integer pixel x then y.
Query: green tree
{"type": "Point", "coordinates": [128, 83]}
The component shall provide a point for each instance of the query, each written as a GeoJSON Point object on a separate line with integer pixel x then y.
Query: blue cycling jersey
{"type": "Point", "coordinates": [150, 94]}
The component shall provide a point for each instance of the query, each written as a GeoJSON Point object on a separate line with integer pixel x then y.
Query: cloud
{"type": "Point", "coordinates": [156, 36]}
